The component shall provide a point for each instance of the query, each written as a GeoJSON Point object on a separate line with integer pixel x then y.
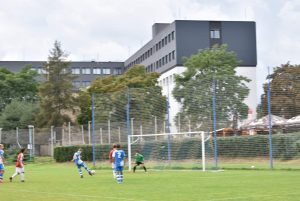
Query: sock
{"type": "Point", "coordinates": [15, 174]}
{"type": "Point", "coordinates": [22, 176]}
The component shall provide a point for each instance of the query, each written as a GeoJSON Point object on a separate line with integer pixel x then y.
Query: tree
{"type": "Point", "coordinates": [18, 86]}
{"type": "Point", "coordinates": [56, 92]}
{"type": "Point", "coordinates": [211, 71]}
{"type": "Point", "coordinates": [112, 93]}
{"type": "Point", "coordinates": [18, 114]}
{"type": "Point", "coordinates": [285, 92]}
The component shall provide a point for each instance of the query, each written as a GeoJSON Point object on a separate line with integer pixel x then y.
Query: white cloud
{"type": "Point", "coordinates": [110, 30]}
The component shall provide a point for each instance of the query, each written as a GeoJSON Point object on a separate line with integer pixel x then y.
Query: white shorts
{"type": "Point", "coordinates": [20, 170]}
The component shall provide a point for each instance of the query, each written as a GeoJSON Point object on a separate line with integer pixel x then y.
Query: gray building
{"type": "Point", "coordinates": [182, 38]}
{"type": "Point", "coordinates": [86, 71]}
{"type": "Point", "coordinates": [169, 44]}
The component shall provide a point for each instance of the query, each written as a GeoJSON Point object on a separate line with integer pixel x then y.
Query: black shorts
{"type": "Point", "coordinates": [139, 163]}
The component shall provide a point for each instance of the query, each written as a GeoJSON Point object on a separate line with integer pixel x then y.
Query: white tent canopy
{"type": "Point", "coordinates": [264, 122]}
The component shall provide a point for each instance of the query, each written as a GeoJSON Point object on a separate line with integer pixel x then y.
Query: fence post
{"type": "Point", "coordinates": [17, 136]}
{"type": "Point", "coordinates": [270, 121]}
{"type": "Point", "coordinates": [30, 127]}
{"type": "Point", "coordinates": [82, 134]}
{"type": "Point", "coordinates": [119, 129]}
{"type": "Point", "coordinates": [129, 128]}
{"type": "Point", "coordinates": [89, 131]}
{"type": "Point", "coordinates": [93, 129]}
{"type": "Point", "coordinates": [51, 141]}
{"type": "Point", "coordinates": [215, 122]}
{"type": "Point", "coordinates": [69, 132]}
{"type": "Point", "coordinates": [101, 136]}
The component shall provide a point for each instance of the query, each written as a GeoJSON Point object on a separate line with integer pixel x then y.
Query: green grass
{"type": "Point", "coordinates": [60, 182]}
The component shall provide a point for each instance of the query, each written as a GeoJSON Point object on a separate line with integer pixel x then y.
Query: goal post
{"type": "Point", "coordinates": [184, 149]}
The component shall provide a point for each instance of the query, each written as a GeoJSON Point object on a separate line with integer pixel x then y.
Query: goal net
{"type": "Point", "coordinates": [185, 150]}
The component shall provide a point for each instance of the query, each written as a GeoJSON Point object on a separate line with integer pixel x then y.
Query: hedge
{"type": "Point", "coordinates": [285, 146]}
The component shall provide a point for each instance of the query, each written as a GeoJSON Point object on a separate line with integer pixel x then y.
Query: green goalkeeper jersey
{"type": "Point", "coordinates": [139, 157]}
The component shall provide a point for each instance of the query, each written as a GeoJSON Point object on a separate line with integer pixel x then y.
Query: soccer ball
{"type": "Point", "coordinates": [93, 172]}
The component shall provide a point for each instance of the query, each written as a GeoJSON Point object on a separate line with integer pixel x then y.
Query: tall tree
{"type": "Point", "coordinates": [56, 92]}
{"type": "Point", "coordinates": [211, 71]}
{"type": "Point", "coordinates": [285, 92]}
{"type": "Point", "coordinates": [18, 114]}
{"type": "Point", "coordinates": [112, 93]}
{"type": "Point", "coordinates": [18, 86]}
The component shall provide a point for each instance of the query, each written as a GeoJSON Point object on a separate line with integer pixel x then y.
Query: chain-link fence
{"type": "Point", "coordinates": [240, 136]}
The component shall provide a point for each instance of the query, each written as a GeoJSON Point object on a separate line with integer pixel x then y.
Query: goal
{"type": "Point", "coordinates": [185, 150]}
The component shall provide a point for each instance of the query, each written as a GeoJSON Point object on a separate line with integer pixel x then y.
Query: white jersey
{"type": "Point", "coordinates": [1, 156]}
{"type": "Point", "coordinates": [77, 158]}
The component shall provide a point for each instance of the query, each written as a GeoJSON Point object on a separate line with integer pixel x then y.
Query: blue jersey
{"type": "Point", "coordinates": [77, 158]}
{"type": "Point", "coordinates": [1, 156]}
{"type": "Point", "coordinates": [119, 156]}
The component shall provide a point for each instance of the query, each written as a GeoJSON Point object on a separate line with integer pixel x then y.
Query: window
{"type": "Point", "coordinates": [215, 33]}
{"type": "Point", "coordinates": [86, 83]}
{"type": "Point", "coordinates": [76, 84]}
{"type": "Point", "coordinates": [106, 71]}
{"type": "Point", "coordinates": [169, 37]}
{"type": "Point", "coordinates": [76, 71]}
{"type": "Point", "coordinates": [97, 71]}
{"type": "Point", "coordinates": [166, 40]}
{"type": "Point", "coordinates": [117, 71]}
{"type": "Point", "coordinates": [173, 35]}
{"type": "Point", "coordinates": [41, 71]}
{"type": "Point", "coordinates": [173, 54]}
{"type": "Point", "coordinates": [86, 71]}
{"type": "Point", "coordinates": [170, 56]}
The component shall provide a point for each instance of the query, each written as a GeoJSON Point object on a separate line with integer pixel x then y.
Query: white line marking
{"type": "Point", "coordinates": [252, 196]}
{"type": "Point", "coordinates": [72, 195]}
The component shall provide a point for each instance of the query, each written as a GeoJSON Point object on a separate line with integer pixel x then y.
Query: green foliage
{"type": "Point", "coordinates": [56, 92]}
{"type": "Point", "coordinates": [112, 93]}
{"type": "Point", "coordinates": [17, 86]}
{"type": "Point", "coordinates": [56, 182]}
{"type": "Point", "coordinates": [285, 147]}
{"type": "Point", "coordinates": [207, 70]}
{"type": "Point", "coordinates": [64, 154]}
{"type": "Point", "coordinates": [18, 114]}
{"type": "Point", "coordinates": [285, 92]}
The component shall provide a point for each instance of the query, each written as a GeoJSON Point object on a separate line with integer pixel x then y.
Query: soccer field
{"type": "Point", "coordinates": [60, 182]}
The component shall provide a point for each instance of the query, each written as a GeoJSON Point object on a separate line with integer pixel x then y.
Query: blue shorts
{"type": "Point", "coordinates": [80, 165]}
{"type": "Point", "coordinates": [119, 168]}
{"type": "Point", "coordinates": [1, 167]}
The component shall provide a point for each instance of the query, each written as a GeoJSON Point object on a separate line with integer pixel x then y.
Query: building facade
{"type": "Point", "coordinates": [164, 53]}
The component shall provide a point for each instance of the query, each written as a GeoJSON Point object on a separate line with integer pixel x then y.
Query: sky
{"type": "Point", "coordinates": [112, 30]}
